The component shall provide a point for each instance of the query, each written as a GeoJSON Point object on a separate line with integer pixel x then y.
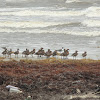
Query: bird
{"type": "Point", "coordinates": [40, 52]}
{"type": "Point", "coordinates": [26, 53]}
{"type": "Point", "coordinates": [60, 50]}
{"type": "Point", "coordinates": [54, 53]}
{"type": "Point", "coordinates": [9, 53]}
{"type": "Point", "coordinates": [48, 53]}
{"type": "Point", "coordinates": [16, 53]}
{"type": "Point", "coordinates": [65, 53]}
{"type": "Point", "coordinates": [4, 52]}
{"type": "Point", "coordinates": [75, 54]}
{"type": "Point", "coordinates": [84, 54]}
{"type": "Point", "coordinates": [32, 52]}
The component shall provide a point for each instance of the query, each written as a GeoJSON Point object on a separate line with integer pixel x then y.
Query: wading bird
{"type": "Point", "coordinates": [9, 53]}
{"type": "Point", "coordinates": [16, 53]}
{"type": "Point", "coordinates": [84, 54]}
{"type": "Point", "coordinates": [75, 54]}
{"type": "Point", "coordinates": [60, 50]}
{"type": "Point", "coordinates": [48, 53]}
{"type": "Point", "coordinates": [32, 52]}
{"type": "Point", "coordinates": [65, 53]}
{"type": "Point", "coordinates": [4, 52]}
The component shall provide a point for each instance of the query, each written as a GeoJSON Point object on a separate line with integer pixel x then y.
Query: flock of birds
{"type": "Point", "coordinates": [61, 52]}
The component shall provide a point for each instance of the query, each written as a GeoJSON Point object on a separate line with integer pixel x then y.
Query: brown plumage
{"type": "Point", "coordinates": [54, 53]}
{"type": "Point", "coordinates": [75, 54]}
{"type": "Point", "coordinates": [26, 53]}
{"type": "Point", "coordinates": [16, 53]}
{"type": "Point", "coordinates": [32, 52]}
{"type": "Point", "coordinates": [9, 53]}
{"type": "Point", "coordinates": [48, 53]}
{"type": "Point", "coordinates": [65, 53]}
{"type": "Point", "coordinates": [40, 52]}
{"type": "Point", "coordinates": [4, 53]}
{"type": "Point", "coordinates": [84, 54]}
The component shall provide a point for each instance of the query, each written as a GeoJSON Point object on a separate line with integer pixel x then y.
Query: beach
{"type": "Point", "coordinates": [74, 26]}
{"type": "Point", "coordinates": [50, 24]}
{"type": "Point", "coordinates": [50, 79]}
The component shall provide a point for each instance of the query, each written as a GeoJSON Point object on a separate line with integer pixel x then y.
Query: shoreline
{"type": "Point", "coordinates": [42, 58]}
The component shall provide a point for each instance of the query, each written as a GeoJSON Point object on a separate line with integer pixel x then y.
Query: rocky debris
{"type": "Point", "coordinates": [28, 98]}
{"type": "Point", "coordinates": [4, 95]}
{"type": "Point", "coordinates": [13, 89]}
{"type": "Point", "coordinates": [89, 96]}
{"type": "Point", "coordinates": [1, 80]}
{"type": "Point", "coordinates": [97, 89]}
{"type": "Point", "coordinates": [43, 80]}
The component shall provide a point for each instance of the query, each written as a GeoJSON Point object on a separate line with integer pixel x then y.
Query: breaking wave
{"type": "Point", "coordinates": [42, 13]}
{"type": "Point", "coordinates": [26, 24]}
{"type": "Point", "coordinates": [93, 11]}
{"type": "Point", "coordinates": [91, 23]}
{"type": "Point", "coordinates": [72, 1]}
{"type": "Point", "coordinates": [51, 20]}
{"type": "Point", "coordinates": [39, 24]}
{"type": "Point", "coordinates": [49, 31]}
{"type": "Point", "coordinates": [70, 24]}
{"type": "Point", "coordinates": [83, 1]}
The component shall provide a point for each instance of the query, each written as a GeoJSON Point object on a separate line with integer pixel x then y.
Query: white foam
{"type": "Point", "coordinates": [93, 11]}
{"type": "Point", "coordinates": [42, 13]}
{"type": "Point", "coordinates": [77, 1]}
{"type": "Point", "coordinates": [71, 1]}
{"type": "Point", "coordinates": [27, 24]}
{"type": "Point", "coordinates": [73, 32]}
{"type": "Point", "coordinates": [91, 23]}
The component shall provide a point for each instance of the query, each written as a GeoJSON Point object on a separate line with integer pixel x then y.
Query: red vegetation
{"type": "Point", "coordinates": [51, 75]}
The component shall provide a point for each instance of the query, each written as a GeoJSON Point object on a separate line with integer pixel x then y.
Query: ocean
{"type": "Point", "coordinates": [74, 25]}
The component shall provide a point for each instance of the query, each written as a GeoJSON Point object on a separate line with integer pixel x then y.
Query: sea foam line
{"type": "Point", "coordinates": [54, 31]}
{"type": "Point", "coordinates": [91, 23]}
{"type": "Point", "coordinates": [26, 24]}
{"type": "Point", "coordinates": [92, 11]}
{"type": "Point", "coordinates": [42, 13]}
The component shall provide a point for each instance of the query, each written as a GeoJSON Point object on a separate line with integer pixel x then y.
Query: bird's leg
{"type": "Point", "coordinates": [17, 55]}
